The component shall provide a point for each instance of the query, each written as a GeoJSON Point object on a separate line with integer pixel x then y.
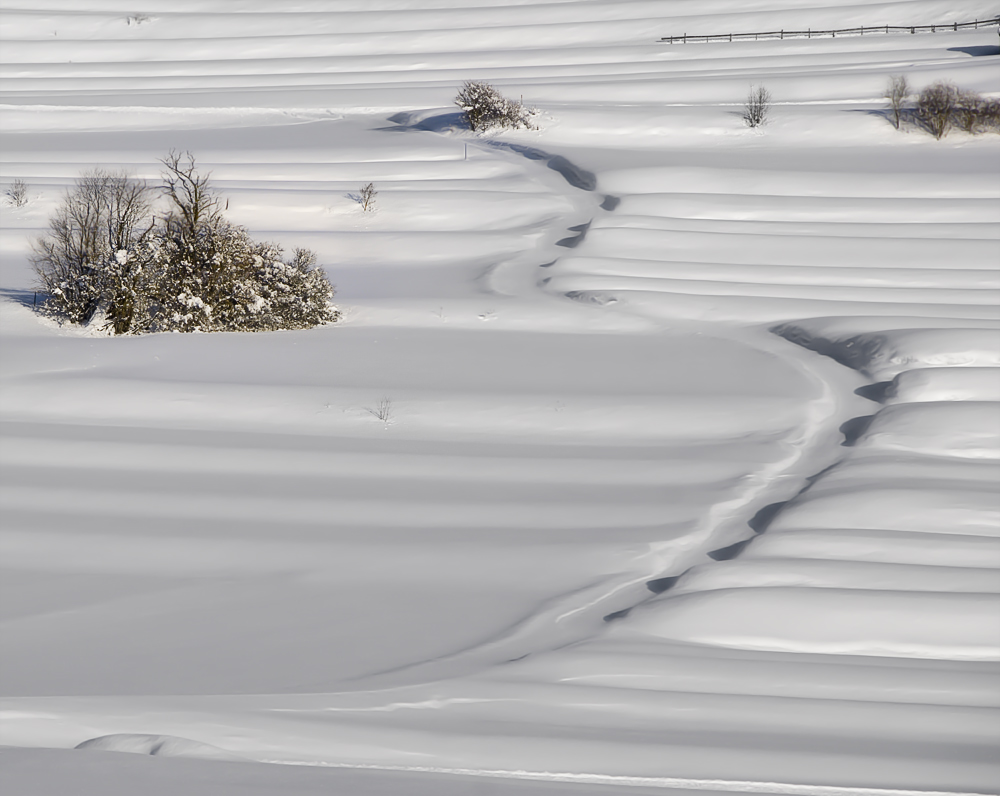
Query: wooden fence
{"type": "Point", "coordinates": [810, 34]}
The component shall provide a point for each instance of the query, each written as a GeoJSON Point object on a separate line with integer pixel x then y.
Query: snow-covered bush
{"type": "Point", "coordinates": [190, 271]}
{"type": "Point", "coordinates": [95, 252]}
{"type": "Point", "coordinates": [485, 108]}
{"type": "Point", "coordinates": [211, 276]}
{"type": "Point", "coordinates": [229, 282]}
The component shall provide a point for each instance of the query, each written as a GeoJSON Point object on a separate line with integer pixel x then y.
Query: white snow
{"type": "Point", "coordinates": [606, 353]}
{"type": "Point", "coordinates": [158, 745]}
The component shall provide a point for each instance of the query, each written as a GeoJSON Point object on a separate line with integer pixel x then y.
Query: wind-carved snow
{"type": "Point", "coordinates": [611, 537]}
{"type": "Point", "coordinates": [158, 745]}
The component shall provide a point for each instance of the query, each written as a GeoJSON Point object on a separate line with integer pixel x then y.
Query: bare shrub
{"type": "Point", "coordinates": [936, 108]}
{"type": "Point", "coordinates": [17, 193]}
{"type": "Point", "coordinates": [757, 106]}
{"type": "Point", "coordinates": [366, 197]}
{"type": "Point", "coordinates": [989, 115]}
{"type": "Point", "coordinates": [484, 108]}
{"type": "Point", "coordinates": [383, 410]}
{"type": "Point", "coordinates": [968, 112]}
{"type": "Point", "coordinates": [95, 251]}
{"type": "Point", "coordinates": [897, 92]}
{"type": "Point", "coordinates": [942, 106]}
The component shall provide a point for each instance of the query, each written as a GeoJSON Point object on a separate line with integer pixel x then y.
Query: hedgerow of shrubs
{"type": "Point", "coordinates": [942, 106]}
{"type": "Point", "coordinates": [108, 259]}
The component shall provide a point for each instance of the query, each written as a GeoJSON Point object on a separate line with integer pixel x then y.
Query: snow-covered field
{"type": "Point", "coordinates": [686, 479]}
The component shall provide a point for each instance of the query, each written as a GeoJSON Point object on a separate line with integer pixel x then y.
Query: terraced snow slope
{"type": "Point", "coordinates": [609, 537]}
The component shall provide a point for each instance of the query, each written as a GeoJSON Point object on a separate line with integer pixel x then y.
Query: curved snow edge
{"type": "Point", "coordinates": [728, 786]}
{"type": "Point", "coordinates": [158, 746]}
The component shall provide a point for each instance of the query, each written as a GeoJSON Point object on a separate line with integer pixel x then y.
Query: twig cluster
{"type": "Point", "coordinates": [383, 410]}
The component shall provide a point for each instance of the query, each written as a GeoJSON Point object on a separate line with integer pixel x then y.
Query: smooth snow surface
{"type": "Point", "coordinates": [685, 478]}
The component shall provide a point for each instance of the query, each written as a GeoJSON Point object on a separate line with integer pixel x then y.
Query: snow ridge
{"type": "Point", "coordinates": [718, 785]}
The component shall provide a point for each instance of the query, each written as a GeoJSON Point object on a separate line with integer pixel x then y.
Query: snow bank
{"type": "Point", "coordinates": [759, 571]}
{"type": "Point", "coordinates": [903, 547]}
{"type": "Point", "coordinates": [937, 510]}
{"type": "Point", "coordinates": [965, 428]}
{"type": "Point", "coordinates": [884, 355]}
{"type": "Point", "coordinates": [158, 745]}
{"type": "Point", "coordinates": [945, 384]}
{"type": "Point", "coordinates": [830, 621]}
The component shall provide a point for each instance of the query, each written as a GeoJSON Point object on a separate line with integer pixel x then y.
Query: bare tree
{"type": "Point", "coordinates": [194, 206]}
{"type": "Point", "coordinates": [897, 92]}
{"type": "Point", "coordinates": [94, 251]}
{"type": "Point", "coordinates": [936, 107]}
{"type": "Point", "coordinates": [366, 197]}
{"type": "Point", "coordinates": [383, 410]}
{"type": "Point", "coordinates": [757, 106]}
{"type": "Point", "coordinates": [17, 193]}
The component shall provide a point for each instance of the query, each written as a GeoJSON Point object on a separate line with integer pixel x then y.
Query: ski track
{"type": "Point", "coordinates": [665, 591]}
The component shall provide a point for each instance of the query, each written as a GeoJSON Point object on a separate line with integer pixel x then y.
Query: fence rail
{"type": "Point", "coordinates": [815, 34]}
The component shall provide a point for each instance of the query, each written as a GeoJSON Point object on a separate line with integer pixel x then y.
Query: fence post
{"type": "Point", "coordinates": [782, 35]}
{"type": "Point", "coordinates": [809, 33]}
{"type": "Point", "coordinates": [886, 28]}
{"type": "Point", "coordinates": [730, 37]}
{"type": "Point", "coordinates": [685, 39]}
